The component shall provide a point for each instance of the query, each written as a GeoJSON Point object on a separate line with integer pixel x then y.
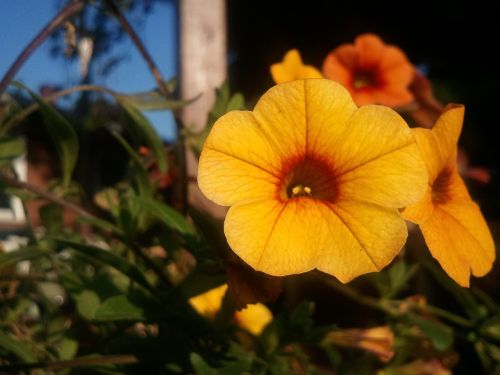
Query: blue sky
{"type": "Point", "coordinates": [20, 20]}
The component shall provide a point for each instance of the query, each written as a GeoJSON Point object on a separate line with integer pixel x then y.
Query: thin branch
{"type": "Point", "coordinates": [140, 46]}
{"type": "Point", "coordinates": [120, 359]}
{"type": "Point", "coordinates": [10, 181]}
{"type": "Point", "coordinates": [73, 7]}
{"type": "Point", "coordinates": [52, 98]}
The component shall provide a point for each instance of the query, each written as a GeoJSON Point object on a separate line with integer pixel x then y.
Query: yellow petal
{"type": "Point", "coordinates": [281, 115]}
{"type": "Point", "coordinates": [274, 237]}
{"type": "Point", "coordinates": [377, 160]}
{"type": "Point", "coordinates": [328, 107]}
{"type": "Point", "coordinates": [361, 238]}
{"type": "Point", "coordinates": [209, 303]}
{"type": "Point", "coordinates": [235, 169]}
{"type": "Point", "coordinates": [254, 318]}
{"type": "Point", "coordinates": [292, 69]}
{"type": "Point", "coordinates": [420, 211]}
{"type": "Point", "coordinates": [438, 146]}
{"type": "Point", "coordinates": [345, 240]}
{"type": "Point", "coordinates": [459, 238]}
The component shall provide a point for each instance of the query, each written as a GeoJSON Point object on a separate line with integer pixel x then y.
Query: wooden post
{"type": "Point", "coordinates": [203, 68]}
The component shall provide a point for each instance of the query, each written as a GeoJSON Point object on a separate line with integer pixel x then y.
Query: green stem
{"type": "Point", "coordinates": [51, 98]}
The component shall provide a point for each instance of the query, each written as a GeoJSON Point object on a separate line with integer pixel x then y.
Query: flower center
{"type": "Point", "coordinates": [440, 187]}
{"type": "Point", "coordinates": [308, 178]}
{"type": "Point", "coordinates": [364, 79]}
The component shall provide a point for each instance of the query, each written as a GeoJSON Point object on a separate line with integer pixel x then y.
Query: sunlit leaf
{"type": "Point", "coordinates": [10, 148]}
{"type": "Point", "coordinates": [147, 130]}
{"type": "Point", "coordinates": [110, 259]}
{"type": "Point", "coordinates": [17, 348]}
{"type": "Point", "coordinates": [25, 253]}
{"type": "Point", "coordinates": [440, 335]}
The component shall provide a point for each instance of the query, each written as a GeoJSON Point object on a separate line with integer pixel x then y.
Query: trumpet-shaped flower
{"type": "Point", "coordinates": [292, 68]}
{"type": "Point", "coordinates": [377, 340]}
{"type": "Point", "coordinates": [254, 318]}
{"type": "Point", "coordinates": [372, 71]}
{"type": "Point", "coordinates": [451, 223]}
{"type": "Point", "coordinates": [313, 181]}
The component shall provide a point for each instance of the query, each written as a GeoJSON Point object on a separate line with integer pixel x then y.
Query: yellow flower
{"type": "Point", "coordinates": [377, 340]}
{"type": "Point", "coordinates": [254, 318]}
{"type": "Point", "coordinates": [313, 181]}
{"type": "Point", "coordinates": [292, 68]}
{"type": "Point", "coordinates": [209, 303]}
{"type": "Point", "coordinates": [451, 223]}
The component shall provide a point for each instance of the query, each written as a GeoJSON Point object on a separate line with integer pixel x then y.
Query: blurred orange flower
{"type": "Point", "coordinates": [373, 72]}
{"type": "Point", "coordinates": [292, 68]}
{"type": "Point", "coordinates": [313, 181]}
{"type": "Point", "coordinates": [377, 340]}
{"type": "Point", "coordinates": [254, 318]}
{"type": "Point", "coordinates": [452, 224]}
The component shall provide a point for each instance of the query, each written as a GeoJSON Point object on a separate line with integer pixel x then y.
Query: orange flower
{"type": "Point", "coordinates": [313, 181]}
{"type": "Point", "coordinates": [292, 68]}
{"type": "Point", "coordinates": [452, 224]}
{"type": "Point", "coordinates": [377, 340]}
{"type": "Point", "coordinates": [373, 72]}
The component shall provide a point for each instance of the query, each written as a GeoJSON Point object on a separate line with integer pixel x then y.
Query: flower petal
{"type": "Point", "coordinates": [329, 106]}
{"type": "Point", "coordinates": [370, 48]}
{"type": "Point", "coordinates": [277, 238]}
{"type": "Point", "coordinates": [254, 318]}
{"type": "Point", "coordinates": [281, 115]}
{"type": "Point", "coordinates": [438, 146]}
{"type": "Point", "coordinates": [395, 67]}
{"type": "Point", "coordinates": [459, 238]}
{"type": "Point", "coordinates": [228, 161]}
{"type": "Point", "coordinates": [376, 159]}
{"type": "Point", "coordinates": [362, 238]}
{"type": "Point", "coordinates": [345, 240]}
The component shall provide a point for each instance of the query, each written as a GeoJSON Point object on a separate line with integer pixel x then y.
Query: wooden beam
{"type": "Point", "coordinates": [203, 38]}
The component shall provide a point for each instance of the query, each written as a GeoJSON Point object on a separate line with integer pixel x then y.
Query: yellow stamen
{"type": "Point", "coordinates": [301, 190]}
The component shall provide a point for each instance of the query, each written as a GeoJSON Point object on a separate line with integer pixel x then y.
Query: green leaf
{"type": "Point", "coordinates": [110, 259]}
{"type": "Point", "coordinates": [464, 296]}
{"type": "Point", "coordinates": [11, 148]}
{"type": "Point", "coordinates": [25, 253]}
{"type": "Point", "coordinates": [440, 335]}
{"type": "Point", "coordinates": [87, 303]}
{"type": "Point", "coordinates": [144, 184]}
{"type": "Point", "coordinates": [167, 215]}
{"type": "Point", "coordinates": [17, 348]}
{"type": "Point", "coordinates": [51, 216]}
{"type": "Point", "coordinates": [201, 367]}
{"type": "Point", "coordinates": [68, 348]}
{"type": "Point", "coordinates": [491, 327]}
{"type": "Point", "coordinates": [120, 308]}
{"type": "Point", "coordinates": [154, 101]}
{"type": "Point", "coordinates": [147, 130]}
{"type": "Point", "coordinates": [62, 133]}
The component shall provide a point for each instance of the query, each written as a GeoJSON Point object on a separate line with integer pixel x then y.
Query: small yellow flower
{"type": "Point", "coordinates": [292, 68]}
{"type": "Point", "coordinates": [209, 303]}
{"type": "Point", "coordinates": [313, 181]}
{"type": "Point", "coordinates": [254, 318]}
{"type": "Point", "coordinates": [377, 340]}
{"type": "Point", "coordinates": [451, 223]}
